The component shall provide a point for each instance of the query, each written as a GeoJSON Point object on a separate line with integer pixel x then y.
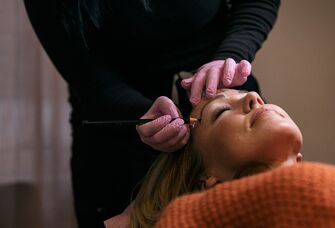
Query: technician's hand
{"type": "Point", "coordinates": [163, 134]}
{"type": "Point", "coordinates": [215, 75]}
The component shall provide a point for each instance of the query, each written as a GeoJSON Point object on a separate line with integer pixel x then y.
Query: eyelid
{"type": "Point", "coordinates": [218, 111]}
{"type": "Point", "coordinates": [214, 99]}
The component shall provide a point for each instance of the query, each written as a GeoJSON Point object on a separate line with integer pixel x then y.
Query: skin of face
{"type": "Point", "coordinates": [246, 131]}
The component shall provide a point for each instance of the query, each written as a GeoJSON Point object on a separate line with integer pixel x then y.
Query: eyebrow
{"type": "Point", "coordinates": [218, 97]}
{"type": "Point", "coordinates": [214, 99]}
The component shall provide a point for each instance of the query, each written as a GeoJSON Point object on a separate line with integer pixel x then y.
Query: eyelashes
{"type": "Point", "coordinates": [220, 110]}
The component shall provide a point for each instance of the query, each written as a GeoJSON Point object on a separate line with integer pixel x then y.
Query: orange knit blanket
{"type": "Point", "coordinates": [302, 195]}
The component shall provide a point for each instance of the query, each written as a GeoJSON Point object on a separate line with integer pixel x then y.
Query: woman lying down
{"type": "Point", "coordinates": [223, 175]}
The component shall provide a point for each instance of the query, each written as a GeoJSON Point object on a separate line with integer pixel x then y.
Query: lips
{"type": "Point", "coordinates": [258, 112]}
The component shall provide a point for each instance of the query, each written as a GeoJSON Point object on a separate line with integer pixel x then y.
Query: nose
{"type": "Point", "coordinates": [251, 101]}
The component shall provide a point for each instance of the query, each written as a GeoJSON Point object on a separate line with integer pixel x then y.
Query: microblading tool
{"type": "Point", "coordinates": [190, 121]}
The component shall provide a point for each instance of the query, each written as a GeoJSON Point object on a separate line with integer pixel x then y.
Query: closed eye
{"type": "Point", "coordinates": [219, 111]}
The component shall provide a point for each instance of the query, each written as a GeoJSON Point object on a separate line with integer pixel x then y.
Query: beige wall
{"type": "Point", "coordinates": [296, 70]}
{"type": "Point", "coordinates": [35, 189]}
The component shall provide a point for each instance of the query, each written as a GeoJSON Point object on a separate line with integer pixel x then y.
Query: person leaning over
{"type": "Point", "coordinates": [118, 57]}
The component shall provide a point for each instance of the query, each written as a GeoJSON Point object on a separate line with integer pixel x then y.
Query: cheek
{"type": "Point", "coordinates": [210, 142]}
{"type": "Point", "coordinates": [278, 131]}
{"type": "Point", "coordinates": [230, 142]}
{"type": "Point", "coordinates": [276, 140]}
{"type": "Point", "coordinates": [233, 144]}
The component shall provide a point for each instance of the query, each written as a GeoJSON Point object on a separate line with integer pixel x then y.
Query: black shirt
{"type": "Point", "coordinates": [131, 59]}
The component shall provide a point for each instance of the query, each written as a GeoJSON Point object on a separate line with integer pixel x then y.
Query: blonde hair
{"type": "Point", "coordinates": [171, 175]}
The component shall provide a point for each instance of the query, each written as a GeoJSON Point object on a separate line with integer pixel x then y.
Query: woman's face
{"type": "Point", "coordinates": [238, 131]}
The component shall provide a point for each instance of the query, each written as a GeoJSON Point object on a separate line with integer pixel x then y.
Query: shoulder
{"type": "Point", "coordinates": [120, 221]}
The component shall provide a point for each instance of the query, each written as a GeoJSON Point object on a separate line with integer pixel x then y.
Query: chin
{"type": "Point", "coordinates": [291, 132]}
{"type": "Point", "coordinates": [283, 128]}
{"type": "Point", "coordinates": [283, 139]}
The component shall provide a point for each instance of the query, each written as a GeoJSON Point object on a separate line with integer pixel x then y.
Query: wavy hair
{"type": "Point", "coordinates": [171, 175]}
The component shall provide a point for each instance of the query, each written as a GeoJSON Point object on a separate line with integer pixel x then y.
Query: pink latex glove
{"type": "Point", "coordinates": [163, 134]}
{"type": "Point", "coordinates": [215, 75]}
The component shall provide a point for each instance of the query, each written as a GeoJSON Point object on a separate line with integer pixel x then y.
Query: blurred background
{"type": "Point", "coordinates": [295, 69]}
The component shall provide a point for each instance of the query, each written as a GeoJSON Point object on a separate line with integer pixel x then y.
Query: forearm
{"type": "Point", "coordinates": [250, 21]}
{"type": "Point", "coordinates": [114, 101]}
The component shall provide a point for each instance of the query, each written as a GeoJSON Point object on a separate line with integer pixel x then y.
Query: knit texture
{"type": "Point", "coordinates": [301, 195]}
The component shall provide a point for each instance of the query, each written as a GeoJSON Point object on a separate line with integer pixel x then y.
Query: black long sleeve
{"type": "Point", "coordinates": [249, 23]}
{"type": "Point", "coordinates": [175, 35]}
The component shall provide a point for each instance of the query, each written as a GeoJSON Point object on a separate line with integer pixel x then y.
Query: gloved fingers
{"type": "Point", "coordinates": [179, 144]}
{"type": "Point", "coordinates": [216, 63]}
{"type": "Point", "coordinates": [162, 106]}
{"type": "Point", "coordinates": [228, 72]}
{"type": "Point", "coordinates": [243, 70]}
{"type": "Point", "coordinates": [169, 131]}
{"type": "Point", "coordinates": [187, 83]}
{"type": "Point", "coordinates": [176, 142]}
{"type": "Point", "coordinates": [196, 83]}
{"type": "Point", "coordinates": [212, 81]}
{"type": "Point", "coordinates": [151, 128]}
{"type": "Point", "coordinates": [167, 107]}
{"type": "Point", "coordinates": [197, 87]}
{"type": "Point", "coordinates": [239, 79]}
{"type": "Point", "coordinates": [161, 130]}
{"type": "Point", "coordinates": [214, 75]}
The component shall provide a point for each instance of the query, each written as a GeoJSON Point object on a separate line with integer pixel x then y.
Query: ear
{"type": "Point", "coordinates": [299, 157]}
